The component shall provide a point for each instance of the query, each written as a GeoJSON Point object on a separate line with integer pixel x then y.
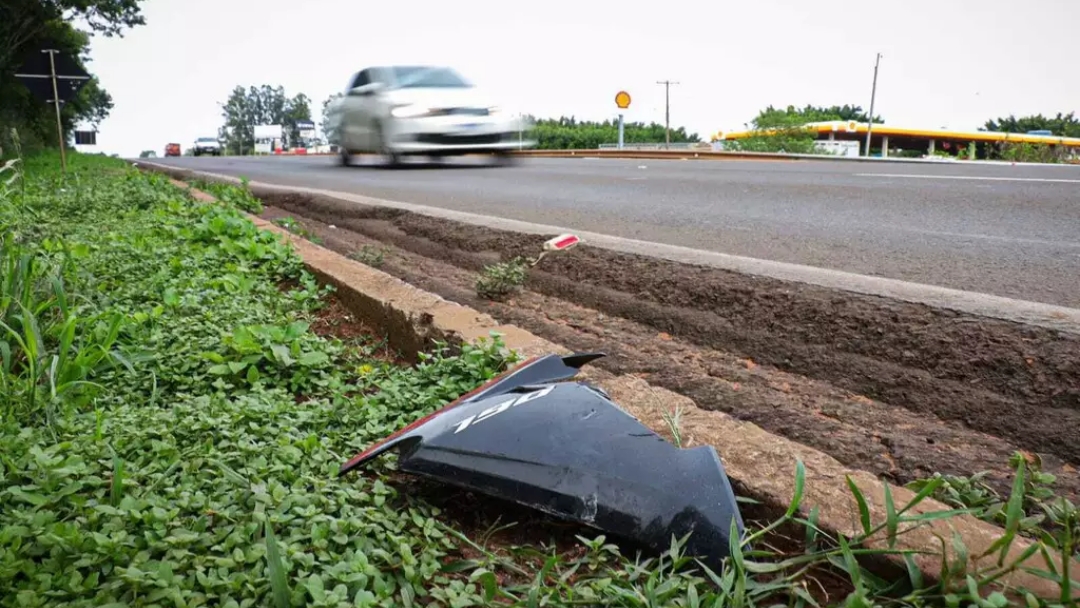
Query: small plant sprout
{"type": "Point", "coordinates": [500, 280]}
{"type": "Point", "coordinates": [674, 424]}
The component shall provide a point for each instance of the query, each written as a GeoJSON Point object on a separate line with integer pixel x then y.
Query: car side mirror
{"type": "Point", "coordinates": [371, 88]}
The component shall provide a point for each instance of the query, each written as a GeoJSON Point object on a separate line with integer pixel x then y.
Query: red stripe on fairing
{"type": "Point", "coordinates": [352, 462]}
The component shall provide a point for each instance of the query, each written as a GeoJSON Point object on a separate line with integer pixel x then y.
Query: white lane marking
{"type": "Point", "coordinates": [972, 177]}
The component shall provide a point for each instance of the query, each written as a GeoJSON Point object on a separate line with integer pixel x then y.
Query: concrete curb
{"type": "Point", "coordinates": [760, 464]}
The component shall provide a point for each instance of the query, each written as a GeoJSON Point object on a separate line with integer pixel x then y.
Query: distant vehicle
{"type": "Point", "coordinates": [1040, 132]}
{"type": "Point", "coordinates": [399, 111]}
{"type": "Point", "coordinates": [207, 145]}
{"type": "Point", "coordinates": [172, 150]}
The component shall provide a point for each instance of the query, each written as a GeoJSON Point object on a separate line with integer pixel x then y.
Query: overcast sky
{"type": "Point", "coordinates": [947, 63]}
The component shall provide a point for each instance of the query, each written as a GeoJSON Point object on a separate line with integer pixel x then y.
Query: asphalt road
{"type": "Point", "coordinates": [1011, 231]}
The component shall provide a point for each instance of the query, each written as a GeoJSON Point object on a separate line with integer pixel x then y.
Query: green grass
{"type": "Point", "coordinates": [172, 429]}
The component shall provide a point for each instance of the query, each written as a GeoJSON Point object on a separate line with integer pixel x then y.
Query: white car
{"type": "Point", "coordinates": [207, 145]}
{"type": "Point", "coordinates": [431, 111]}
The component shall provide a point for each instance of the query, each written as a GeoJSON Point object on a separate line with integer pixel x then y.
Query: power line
{"type": "Point", "coordinates": [667, 110]}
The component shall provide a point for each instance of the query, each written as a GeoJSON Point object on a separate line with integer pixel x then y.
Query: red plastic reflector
{"type": "Point", "coordinates": [564, 241]}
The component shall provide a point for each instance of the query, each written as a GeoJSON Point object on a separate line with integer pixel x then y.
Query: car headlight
{"type": "Point", "coordinates": [410, 111]}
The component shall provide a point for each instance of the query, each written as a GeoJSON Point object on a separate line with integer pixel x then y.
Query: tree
{"type": "Point", "coordinates": [568, 133]}
{"type": "Point", "coordinates": [147, 154]}
{"type": "Point", "coordinates": [1064, 125]}
{"type": "Point", "coordinates": [263, 105]}
{"type": "Point", "coordinates": [791, 116]}
{"type": "Point", "coordinates": [328, 131]}
{"type": "Point", "coordinates": [785, 130]}
{"type": "Point", "coordinates": [27, 26]}
{"type": "Point", "coordinates": [298, 108]}
{"type": "Point", "coordinates": [22, 22]}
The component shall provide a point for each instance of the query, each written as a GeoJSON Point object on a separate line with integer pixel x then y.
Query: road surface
{"type": "Point", "coordinates": [1011, 231]}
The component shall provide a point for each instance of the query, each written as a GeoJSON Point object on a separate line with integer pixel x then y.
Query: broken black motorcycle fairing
{"type": "Point", "coordinates": [566, 449]}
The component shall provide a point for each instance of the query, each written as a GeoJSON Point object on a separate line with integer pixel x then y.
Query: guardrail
{"type": "Point", "coordinates": [674, 154]}
{"type": "Point", "coordinates": [657, 146]}
{"type": "Point", "coordinates": [699, 154]}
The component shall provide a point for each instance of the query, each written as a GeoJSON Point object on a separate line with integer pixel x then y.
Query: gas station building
{"type": "Point", "coordinates": [848, 138]}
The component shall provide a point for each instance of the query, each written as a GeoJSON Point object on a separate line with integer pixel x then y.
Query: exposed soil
{"type": "Point", "coordinates": [900, 389]}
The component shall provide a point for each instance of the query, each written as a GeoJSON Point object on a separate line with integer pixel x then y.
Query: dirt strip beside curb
{"type": "Point", "coordinates": [761, 465]}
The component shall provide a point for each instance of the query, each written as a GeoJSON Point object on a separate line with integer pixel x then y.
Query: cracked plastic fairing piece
{"type": "Point", "coordinates": [566, 449]}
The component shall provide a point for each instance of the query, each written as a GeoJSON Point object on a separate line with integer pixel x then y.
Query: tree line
{"type": "Point", "coordinates": [261, 105]}
{"type": "Point", "coordinates": [27, 27]}
{"type": "Point", "coordinates": [570, 133]}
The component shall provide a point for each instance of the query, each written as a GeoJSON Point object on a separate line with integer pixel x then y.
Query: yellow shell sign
{"type": "Point", "coordinates": [622, 99]}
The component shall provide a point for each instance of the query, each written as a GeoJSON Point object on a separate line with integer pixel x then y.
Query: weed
{"type": "Point", "coordinates": [502, 279]}
{"type": "Point", "coordinates": [231, 194]}
{"type": "Point", "coordinates": [673, 420]}
{"type": "Point", "coordinates": [370, 256]}
{"type": "Point", "coordinates": [1043, 514]}
{"type": "Point", "coordinates": [11, 171]}
{"type": "Point", "coordinates": [295, 227]}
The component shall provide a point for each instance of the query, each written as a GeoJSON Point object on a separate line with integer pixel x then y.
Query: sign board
{"type": "Point", "coordinates": [36, 74]}
{"type": "Point", "coordinates": [263, 147]}
{"type": "Point", "coordinates": [267, 132]}
{"type": "Point", "coordinates": [306, 128]}
{"type": "Point", "coordinates": [838, 147]}
{"type": "Point", "coordinates": [622, 99]}
{"type": "Point", "coordinates": [85, 138]}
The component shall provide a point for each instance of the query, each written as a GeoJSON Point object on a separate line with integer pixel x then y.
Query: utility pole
{"type": "Point", "coordinates": [56, 101]}
{"type": "Point", "coordinates": [667, 111]}
{"type": "Point", "coordinates": [44, 80]}
{"type": "Point", "coordinates": [873, 94]}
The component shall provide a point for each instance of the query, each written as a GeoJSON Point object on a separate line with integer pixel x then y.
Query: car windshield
{"type": "Point", "coordinates": [427, 77]}
{"type": "Point", "coordinates": [207, 139]}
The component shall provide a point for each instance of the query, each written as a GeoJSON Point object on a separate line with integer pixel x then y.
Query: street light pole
{"type": "Point", "coordinates": [873, 95]}
{"type": "Point", "coordinates": [667, 111]}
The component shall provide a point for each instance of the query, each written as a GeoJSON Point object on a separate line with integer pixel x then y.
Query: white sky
{"type": "Point", "coordinates": [947, 63]}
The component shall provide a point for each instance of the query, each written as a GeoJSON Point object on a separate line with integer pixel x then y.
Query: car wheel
{"type": "Point", "coordinates": [392, 159]}
{"type": "Point", "coordinates": [344, 157]}
{"type": "Point", "coordinates": [505, 159]}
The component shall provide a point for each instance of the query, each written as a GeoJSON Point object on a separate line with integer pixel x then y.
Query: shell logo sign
{"type": "Point", "coordinates": [622, 100]}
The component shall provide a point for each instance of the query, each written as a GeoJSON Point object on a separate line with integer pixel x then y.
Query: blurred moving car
{"type": "Point", "coordinates": [420, 110]}
{"type": "Point", "coordinates": [172, 150]}
{"type": "Point", "coordinates": [207, 145]}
